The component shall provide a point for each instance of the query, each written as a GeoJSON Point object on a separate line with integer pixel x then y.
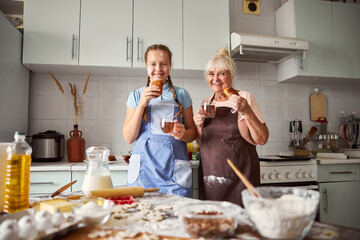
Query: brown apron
{"type": "Point", "coordinates": [221, 140]}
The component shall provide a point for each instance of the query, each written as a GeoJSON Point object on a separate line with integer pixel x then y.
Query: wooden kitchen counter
{"type": "Point", "coordinates": [169, 226]}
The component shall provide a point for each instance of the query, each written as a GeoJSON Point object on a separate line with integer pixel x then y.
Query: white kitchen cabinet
{"type": "Point", "coordinates": [311, 21]}
{"type": "Point", "coordinates": [47, 182]}
{"type": "Point", "coordinates": [339, 186]}
{"type": "Point", "coordinates": [346, 39]}
{"type": "Point", "coordinates": [115, 33]}
{"type": "Point", "coordinates": [51, 32]}
{"type": "Point", "coordinates": [206, 29]}
{"type": "Point", "coordinates": [106, 33]}
{"type": "Point", "coordinates": [157, 22]}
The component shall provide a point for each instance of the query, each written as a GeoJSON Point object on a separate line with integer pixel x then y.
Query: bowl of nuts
{"type": "Point", "coordinates": [209, 219]}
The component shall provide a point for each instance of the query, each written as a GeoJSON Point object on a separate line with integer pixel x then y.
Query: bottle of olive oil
{"type": "Point", "coordinates": [17, 180]}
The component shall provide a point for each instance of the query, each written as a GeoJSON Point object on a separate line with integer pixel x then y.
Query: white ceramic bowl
{"type": "Point", "coordinates": [210, 219]}
{"type": "Point", "coordinates": [352, 153]}
{"type": "Point", "coordinates": [94, 211]}
{"type": "Point", "coordinates": [282, 212]}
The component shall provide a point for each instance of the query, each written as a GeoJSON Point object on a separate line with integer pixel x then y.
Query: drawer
{"type": "Point", "coordinates": [338, 172]}
{"type": "Point", "coordinates": [48, 182]}
{"type": "Point", "coordinates": [79, 176]}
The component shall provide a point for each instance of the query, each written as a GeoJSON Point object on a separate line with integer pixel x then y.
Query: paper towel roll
{"type": "Point", "coordinates": [3, 155]}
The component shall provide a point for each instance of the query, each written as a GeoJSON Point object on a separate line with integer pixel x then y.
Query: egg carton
{"type": "Point", "coordinates": [28, 224]}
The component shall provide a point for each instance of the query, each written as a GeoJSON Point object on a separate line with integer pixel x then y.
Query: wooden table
{"type": "Point", "coordinates": [170, 228]}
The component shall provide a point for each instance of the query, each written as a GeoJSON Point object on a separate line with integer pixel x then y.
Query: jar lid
{"type": "Point", "coordinates": [49, 134]}
{"type": "Point", "coordinates": [96, 153]}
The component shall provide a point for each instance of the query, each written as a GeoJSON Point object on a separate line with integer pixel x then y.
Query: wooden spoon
{"type": "Point", "coordinates": [63, 188]}
{"type": "Point", "coordinates": [243, 179]}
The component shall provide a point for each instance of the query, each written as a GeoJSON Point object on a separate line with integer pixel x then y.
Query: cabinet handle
{"type": "Point", "coordinates": [127, 49]}
{"type": "Point", "coordinates": [73, 47]}
{"type": "Point", "coordinates": [343, 172]}
{"type": "Point", "coordinates": [138, 49]}
{"type": "Point", "coordinates": [38, 183]}
{"type": "Point", "coordinates": [325, 201]}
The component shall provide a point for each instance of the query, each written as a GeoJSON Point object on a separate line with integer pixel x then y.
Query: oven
{"type": "Point", "coordinates": [289, 171]}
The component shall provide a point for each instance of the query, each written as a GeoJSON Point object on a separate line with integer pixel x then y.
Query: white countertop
{"type": "Point", "coordinates": [337, 161]}
{"type": "Point", "coordinates": [64, 165]}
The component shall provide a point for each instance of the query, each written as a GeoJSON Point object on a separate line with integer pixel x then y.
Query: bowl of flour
{"type": "Point", "coordinates": [282, 212]}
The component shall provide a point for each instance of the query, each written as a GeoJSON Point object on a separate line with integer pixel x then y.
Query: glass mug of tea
{"type": "Point", "coordinates": [167, 124]}
{"type": "Point", "coordinates": [208, 109]}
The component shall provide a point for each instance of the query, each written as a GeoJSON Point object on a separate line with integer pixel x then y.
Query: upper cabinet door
{"type": "Point", "coordinates": [157, 22]}
{"type": "Point", "coordinates": [206, 29]}
{"type": "Point", "coordinates": [346, 19]}
{"type": "Point", "coordinates": [106, 33]}
{"type": "Point", "coordinates": [313, 22]}
{"type": "Point", "coordinates": [51, 32]}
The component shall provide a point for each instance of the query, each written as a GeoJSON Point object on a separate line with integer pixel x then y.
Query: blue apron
{"type": "Point", "coordinates": [158, 160]}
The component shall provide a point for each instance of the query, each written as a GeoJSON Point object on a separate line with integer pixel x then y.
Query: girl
{"type": "Point", "coordinates": [159, 160]}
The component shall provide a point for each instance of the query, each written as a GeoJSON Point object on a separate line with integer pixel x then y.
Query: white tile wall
{"type": "Point", "coordinates": [105, 98]}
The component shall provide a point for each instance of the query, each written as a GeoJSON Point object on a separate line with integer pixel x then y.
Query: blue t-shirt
{"type": "Point", "coordinates": [182, 95]}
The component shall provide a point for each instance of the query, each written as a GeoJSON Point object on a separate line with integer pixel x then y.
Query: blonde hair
{"type": "Point", "coordinates": [221, 61]}
{"type": "Point", "coordinates": [167, 50]}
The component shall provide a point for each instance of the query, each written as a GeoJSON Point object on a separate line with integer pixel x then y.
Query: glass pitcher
{"type": "Point", "coordinates": [97, 174]}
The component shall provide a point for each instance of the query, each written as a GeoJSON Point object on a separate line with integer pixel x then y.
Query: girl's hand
{"type": "Point", "coordinates": [179, 130]}
{"type": "Point", "coordinates": [240, 104]}
{"type": "Point", "coordinates": [149, 93]}
{"type": "Point", "coordinates": [199, 119]}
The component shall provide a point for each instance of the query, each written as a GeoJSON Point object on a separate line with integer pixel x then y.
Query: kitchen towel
{"type": "Point", "coordinates": [3, 155]}
{"type": "Point", "coordinates": [324, 156]}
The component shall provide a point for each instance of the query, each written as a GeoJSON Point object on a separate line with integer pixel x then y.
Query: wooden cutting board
{"type": "Point", "coordinates": [317, 106]}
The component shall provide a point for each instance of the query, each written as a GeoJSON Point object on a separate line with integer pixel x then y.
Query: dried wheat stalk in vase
{"type": "Point", "coordinates": [78, 102]}
{"type": "Point", "coordinates": [73, 91]}
{"type": "Point", "coordinates": [57, 83]}
{"type": "Point", "coordinates": [86, 83]}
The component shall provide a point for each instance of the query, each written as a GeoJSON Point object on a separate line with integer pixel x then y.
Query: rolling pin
{"type": "Point", "coordinates": [121, 192]}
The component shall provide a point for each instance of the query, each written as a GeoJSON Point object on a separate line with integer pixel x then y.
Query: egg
{"type": "Point", "coordinates": [26, 220]}
{"type": "Point", "coordinates": [58, 219]}
{"type": "Point", "coordinates": [43, 224]}
{"type": "Point", "coordinates": [9, 230]}
{"type": "Point", "coordinates": [27, 228]}
{"type": "Point", "coordinates": [28, 232]}
{"type": "Point", "coordinates": [43, 214]}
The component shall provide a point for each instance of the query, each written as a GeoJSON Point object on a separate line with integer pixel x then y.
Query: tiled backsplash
{"type": "Point", "coordinates": [106, 96]}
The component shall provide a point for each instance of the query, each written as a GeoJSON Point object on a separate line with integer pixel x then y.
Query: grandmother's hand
{"type": "Point", "coordinates": [199, 119]}
{"type": "Point", "coordinates": [179, 130]}
{"type": "Point", "coordinates": [240, 104]}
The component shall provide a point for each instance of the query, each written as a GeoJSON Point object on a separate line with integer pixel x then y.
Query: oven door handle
{"type": "Point", "coordinates": [342, 172]}
{"type": "Point", "coordinates": [325, 201]}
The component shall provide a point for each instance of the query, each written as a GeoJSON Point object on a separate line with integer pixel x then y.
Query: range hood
{"type": "Point", "coordinates": [263, 48]}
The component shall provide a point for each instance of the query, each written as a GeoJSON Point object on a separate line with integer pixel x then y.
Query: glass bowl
{"type": "Point", "coordinates": [210, 219]}
{"type": "Point", "coordinates": [93, 210]}
{"type": "Point", "coordinates": [282, 212]}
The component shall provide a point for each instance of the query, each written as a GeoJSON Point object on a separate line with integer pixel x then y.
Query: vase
{"type": "Point", "coordinates": [75, 146]}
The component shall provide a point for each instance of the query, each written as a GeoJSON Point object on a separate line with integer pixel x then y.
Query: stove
{"type": "Point", "coordinates": [288, 170]}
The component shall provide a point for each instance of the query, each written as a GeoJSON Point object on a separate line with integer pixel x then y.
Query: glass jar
{"type": "Point", "coordinates": [97, 175]}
